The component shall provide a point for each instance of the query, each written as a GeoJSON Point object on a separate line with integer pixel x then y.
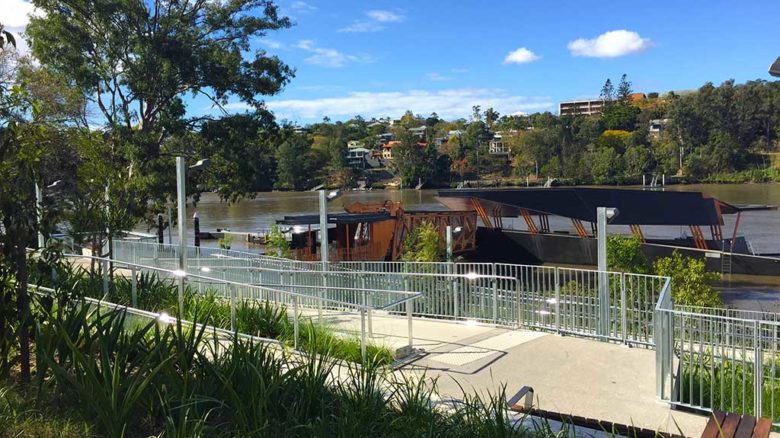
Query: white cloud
{"type": "Point", "coordinates": [273, 44]}
{"type": "Point", "coordinates": [610, 45]}
{"type": "Point", "coordinates": [449, 103]}
{"type": "Point", "coordinates": [302, 6]}
{"type": "Point", "coordinates": [16, 13]}
{"type": "Point", "coordinates": [375, 21]}
{"type": "Point", "coordinates": [521, 56]}
{"type": "Point", "coordinates": [385, 16]}
{"type": "Point", "coordinates": [437, 77]}
{"type": "Point", "coordinates": [329, 57]}
{"type": "Point", "coordinates": [459, 70]}
{"type": "Point", "coordinates": [362, 26]}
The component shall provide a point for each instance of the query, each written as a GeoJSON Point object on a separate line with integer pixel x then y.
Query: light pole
{"type": "Point", "coordinates": [603, 216]}
{"type": "Point", "coordinates": [449, 235]}
{"type": "Point", "coordinates": [181, 191]}
{"type": "Point", "coordinates": [39, 209]}
{"type": "Point", "coordinates": [325, 197]}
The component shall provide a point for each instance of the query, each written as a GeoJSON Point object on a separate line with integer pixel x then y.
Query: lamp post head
{"type": "Point", "coordinates": [612, 213]}
{"type": "Point", "coordinates": [333, 195]}
{"type": "Point", "coordinates": [202, 163]}
{"type": "Point", "coordinates": [774, 69]}
{"type": "Point", "coordinates": [457, 230]}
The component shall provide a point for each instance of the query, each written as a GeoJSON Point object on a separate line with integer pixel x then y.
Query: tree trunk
{"type": "Point", "coordinates": [23, 304]}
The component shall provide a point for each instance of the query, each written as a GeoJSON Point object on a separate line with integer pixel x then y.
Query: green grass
{"type": "Point", "coordinates": [21, 415]}
{"type": "Point", "coordinates": [165, 380]}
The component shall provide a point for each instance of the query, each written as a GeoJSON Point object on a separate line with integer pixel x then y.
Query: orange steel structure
{"type": "Point", "coordinates": [383, 239]}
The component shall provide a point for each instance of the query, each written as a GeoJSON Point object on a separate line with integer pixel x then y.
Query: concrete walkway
{"type": "Point", "coordinates": [570, 375]}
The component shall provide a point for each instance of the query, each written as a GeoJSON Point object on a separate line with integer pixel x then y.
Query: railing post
{"type": "Point", "coordinates": [363, 334]}
{"type": "Point", "coordinates": [454, 279]}
{"type": "Point", "coordinates": [296, 328]}
{"type": "Point", "coordinates": [758, 369]}
{"type": "Point", "coordinates": [133, 287]}
{"type": "Point", "coordinates": [323, 290]}
{"type": "Point", "coordinates": [623, 308]}
{"type": "Point", "coordinates": [232, 289]}
{"type": "Point", "coordinates": [495, 295]}
{"type": "Point", "coordinates": [557, 301]}
{"type": "Point", "coordinates": [408, 314]}
{"type": "Point", "coordinates": [104, 264]}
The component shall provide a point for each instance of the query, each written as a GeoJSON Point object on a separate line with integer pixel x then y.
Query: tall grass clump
{"type": "Point", "coordinates": [254, 317]}
{"type": "Point", "coordinates": [127, 378]}
{"type": "Point", "coordinates": [728, 385]}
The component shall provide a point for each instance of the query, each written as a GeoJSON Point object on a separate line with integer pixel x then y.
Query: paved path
{"type": "Point", "coordinates": [569, 375]}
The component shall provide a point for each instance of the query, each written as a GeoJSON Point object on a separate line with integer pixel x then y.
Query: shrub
{"type": "Point", "coordinates": [423, 244]}
{"type": "Point", "coordinates": [625, 254]}
{"type": "Point", "coordinates": [690, 280]}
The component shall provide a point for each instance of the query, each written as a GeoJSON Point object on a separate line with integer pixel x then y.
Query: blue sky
{"type": "Point", "coordinates": [381, 58]}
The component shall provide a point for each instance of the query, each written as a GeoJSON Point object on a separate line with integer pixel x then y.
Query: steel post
{"type": "Point", "coordinates": [104, 265]}
{"type": "Point", "coordinates": [603, 280]}
{"type": "Point", "coordinates": [182, 217]}
{"type": "Point", "coordinates": [557, 300]}
{"type": "Point", "coordinates": [232, 289]}
{"type": "Point", "coordinates": [363, 333]}
{"type": "Point", "coordinates": [495, 295]}
{"type": "Point", "coordinates": [324, 256]}
{"type": "Point", "coordinates": [134, 287]}
{"type": "Point", "coordinates": [296, 327]}
{"type": "Point", "coordinates": [39, 214]}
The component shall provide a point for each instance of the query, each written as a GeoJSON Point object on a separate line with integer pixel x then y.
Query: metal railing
{"type": "Point", "coordinates": [718, 359]}
{"type": "Point", "coordinates": [705, 358]}
{"type": "Point", "coordinates": [561, 300]}
{"type": "Point", "coordinates": [292, 297]}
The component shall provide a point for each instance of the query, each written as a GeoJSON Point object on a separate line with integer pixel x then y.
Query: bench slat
{"type": "Point", "coordinates": [712, 430]}
{"type": "Point", "coordinates": [745, 429]}
{"type": "Point", "coordinates": [763, 426]}
{"type": "Point", "coordinates": [730, 425]}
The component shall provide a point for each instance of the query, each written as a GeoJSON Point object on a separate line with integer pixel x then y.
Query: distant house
{"type": "Point", "coordinates": [454, 133]}
{"type": "Point", "coordinates": [387, 149]}
{"type": "Point", "coordinates": [584, 107]}
{"type": "Point", "coordinates": [356, 157]}
{"type": "Point", "coordinates": [636, 98]}
{"type": "Point", "coordinates": [385, 137]}
{"type": "Point", "coordinates": [496, 146]}
{"type": "Point", "coordinates": [418, 132]}
{"type": "Point", "coordinates": [657, 126]}
{"type": "Point", "coordinates": [354, 144]}
{"type": "Point", "coordinates": [300, 129]}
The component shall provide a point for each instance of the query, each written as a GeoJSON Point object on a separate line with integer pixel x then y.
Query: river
{"type": "Point", "coordinates": [252, 215]}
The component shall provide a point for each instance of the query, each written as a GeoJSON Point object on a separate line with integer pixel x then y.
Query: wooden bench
{"type": "Point", "coordinates": [724, 425]}
{"type": "Point", "coordinates": [527, 394]}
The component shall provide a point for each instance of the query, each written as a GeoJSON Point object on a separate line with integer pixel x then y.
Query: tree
{"type": "Point", "coordinates": [242, 149]}
{"type": "Point", "coordinates": [690, 280]}
{"type": "Point", "coordinates": [20, 155]}
{"type": "Point", "coordinates": [625, 254]}
{"type": "Point", "coordinates": [491, 116]}
{"type": "Point", "coordinates": [607, 91]}
{"type": "Point", "coordinates": [277, 243]}
{"type": "Point", "coordinates": [136, 60]}
{"type": "Point", "coordinates": [423, 244]}
{"type": "Point", "coordinates": [296, 163]}
{"type": "Point", "coordinates": [624, 90]}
